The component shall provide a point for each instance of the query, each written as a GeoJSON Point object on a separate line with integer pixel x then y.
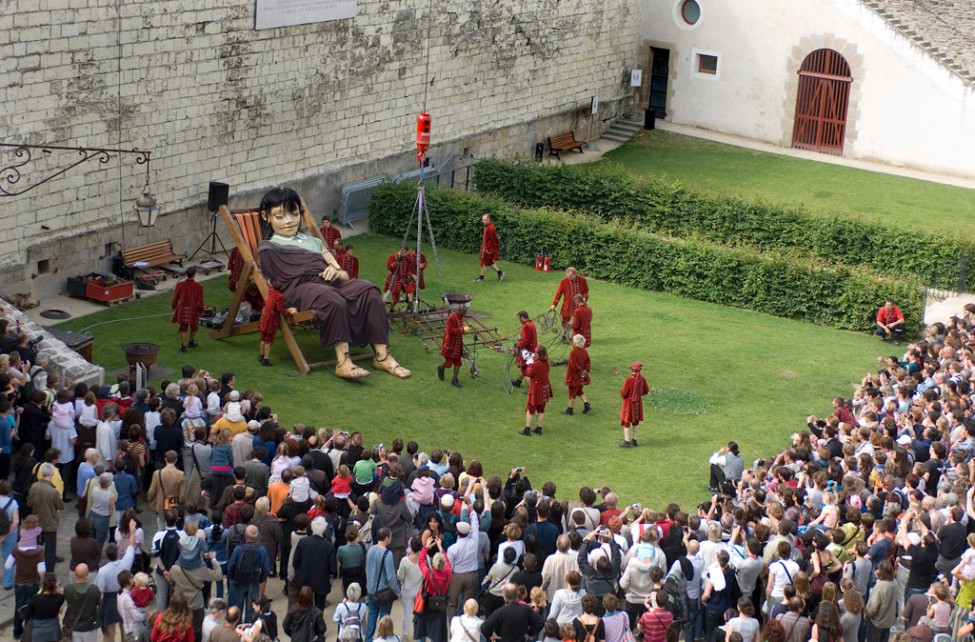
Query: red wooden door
{"type": "Point", "coordinates": [822, 101]}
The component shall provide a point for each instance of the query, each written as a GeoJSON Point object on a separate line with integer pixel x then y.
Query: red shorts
{"type": "Point", "coordinates": [450, 362]}
{"type": "Point", "coordinates": [183, 327]}
{"type": "Point", "coordinates": [486, 261]}
{"type": "Point", "coordinates": [574, 392]}
{"type": "Point", "coordinates": [632, 423]}
{"type": "Point", "coordinates": [410, 287]}
{"type": "Point", "coordinates": [540, 409]}
{"type": "Point", "coordinates": [268, 337]}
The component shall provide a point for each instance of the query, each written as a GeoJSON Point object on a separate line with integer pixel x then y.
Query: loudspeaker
{"type": "Point", "coordinates": [219, 193]}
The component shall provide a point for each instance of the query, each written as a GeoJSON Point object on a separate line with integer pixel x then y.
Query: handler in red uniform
{"type": "Point", "coordinates": [418, 271]}
{"type": "Point", "coordinates": [452, 345]}
{"type": "Point", "coordinates": [631, 414]}
{"type": "Point", "coordinates": [349, 261]}
{"type": "Point", "coordinates": [577, 374]}
{"type": "Point", "coordinates": [490, 247]}
{"type": "Point", "coordinates": [581, 321]}
{"type": "Point", "coordinates": [271, 321]}
{"type": "Point", "coordinates": [402, 276]}
{"type": "Point", "coordinates": [573, 284]}
{"type": "Point", "coordinates": [329, 233]}
{"type": "Point", "coordinates": [187, 307]}
{"type": "Point", "coordinates": [527, 340]}
{"type": "Point", "coordinates": [539, 391]}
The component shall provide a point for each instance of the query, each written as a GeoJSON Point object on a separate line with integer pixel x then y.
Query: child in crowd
{"type": "Point", "coordinates": [392, 490]}
{"type": "Point", "coordinates": [192, 411]}
{"type": "Point", "coordinates": [191, 547]}
{"type": "Point", "coordinates": [152, 420]}
{"type": "Point", "coordinates": [30, 532]}
{"type": "Point", "coordinates": [364, 472]}
{"type": "Point", "coordinates": [300, 490]}
{"type": "Point", "coordinates": [551, 631]}
{"type": "Point", "coordinates": [342, 483]}
{"type": "Point", "coordinates": [214, 410]}
{"type": "Point", "coordinates": [196, 515]}
{"type": "Point", "coordinates": [222, 455]}
{"type": "Point", "coordinates": [142, 594]}
{"type": "Point", "coordinates": [318, 509]}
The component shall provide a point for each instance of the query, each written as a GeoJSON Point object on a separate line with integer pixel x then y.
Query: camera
{"type": "Point", "coordinates": [379, 446]}
{"type": "Point", "coordinates": [33, 342]}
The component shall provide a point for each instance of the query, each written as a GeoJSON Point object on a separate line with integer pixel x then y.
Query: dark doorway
{"type": "Point", "coordinates": [821, 103]}
{"type": "Point", "coordinates": [659, 75]}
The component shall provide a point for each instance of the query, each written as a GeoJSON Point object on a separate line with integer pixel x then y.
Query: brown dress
{"type": "Point", "coordinates": [345, 311]}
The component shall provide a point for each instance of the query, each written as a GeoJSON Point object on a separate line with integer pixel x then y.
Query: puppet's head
{"type": "Point", "coordinates": [280, 212]}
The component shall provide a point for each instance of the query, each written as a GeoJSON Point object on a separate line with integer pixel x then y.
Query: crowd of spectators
{"type": "Point", "coordinates": [863, 526]}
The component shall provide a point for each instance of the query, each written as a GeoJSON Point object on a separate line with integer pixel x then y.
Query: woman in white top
{"type": "Point", "coordinates": [567, 602]}
{"type": "Point", "coordinates": [780, 573]}
{"type": "Point", "coordinates": [513, 532]}
{"type": "Point", "coordinates": [466, 627]}
{"type": "Point", "coordinates": [122, 533]}
{"type": "Point", "coordinates": [709, 548]}
{"type": "Point", "coordinates": [410, 580]}
{"type": "Point", "coordinates": [745, 623]}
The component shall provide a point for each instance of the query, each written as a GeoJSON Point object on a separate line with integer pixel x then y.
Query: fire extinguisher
{"type": "Point", "coordinates": [539, 259]}
{"type": "Point", "coordinates": [422, 135]}
{"type": "Point", "coordinates": [546, 262]}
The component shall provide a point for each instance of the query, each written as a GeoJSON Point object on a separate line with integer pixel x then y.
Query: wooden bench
{"type": "Point", "coordinates": [563, 142]}
{"type": "Point", "coordinates": [152, 255]}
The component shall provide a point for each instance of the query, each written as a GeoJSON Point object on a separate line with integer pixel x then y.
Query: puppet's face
{"type": "Point", "coordinates": [284, 222]}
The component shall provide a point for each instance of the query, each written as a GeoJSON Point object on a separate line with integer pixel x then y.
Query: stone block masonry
{"type": "Point", "coordinates": [315, 105]}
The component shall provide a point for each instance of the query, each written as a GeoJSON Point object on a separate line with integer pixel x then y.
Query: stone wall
{"type": "Point", "coordinates": [59, 358]}
{"type": "Point", "coordinates": [313, 106]}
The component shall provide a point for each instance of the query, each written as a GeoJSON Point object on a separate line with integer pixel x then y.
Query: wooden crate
{"type": "Point", "coordinates": [99, 290]}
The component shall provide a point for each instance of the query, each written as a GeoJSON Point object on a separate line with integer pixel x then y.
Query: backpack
{"type": "Point", "coordinates": [449, 535]}
{"type": "Point", "coordinates": [351, 625]}
{"type": "Point", "coordinates": [673, 545]}
{"type": "Point", "coordinates": [676, 587]}
{"type": "Point", "coordinates": [169, 549]}
{"type": "Point", "coordinates": [248, 568]}
{"type": "Point", "coordinates": [5, 518]}
{"type": "Point", "coordinates": [235, 537]}
{"type": "Point", "coordinates": [590, 633]}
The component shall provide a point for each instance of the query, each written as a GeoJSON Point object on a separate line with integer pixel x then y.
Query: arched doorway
{"type": "Point", "coordinates": [821, 104]}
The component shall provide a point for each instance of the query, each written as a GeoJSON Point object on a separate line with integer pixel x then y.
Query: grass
{"type": "Point", "coordinates": [821, 187]}
{"type": "Point", "coordinates": [716, 373]}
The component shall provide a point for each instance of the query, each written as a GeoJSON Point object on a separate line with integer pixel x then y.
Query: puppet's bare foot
{"type": "Point", "coordinates": [345, 368]}
{"type": "Point", "coordinates": [384, 361]}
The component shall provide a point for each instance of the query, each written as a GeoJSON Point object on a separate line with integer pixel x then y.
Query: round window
{"type": "Point", "coordinates": [690, 11]}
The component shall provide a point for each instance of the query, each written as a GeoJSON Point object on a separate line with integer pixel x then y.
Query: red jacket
{"type": "Point", "coordinates": [567, 291]}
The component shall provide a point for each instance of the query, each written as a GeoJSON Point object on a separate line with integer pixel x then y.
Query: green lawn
{"type": "Point", "coordinates": [716, 373]}
{"type": "Point", "coordinates": [820, 187]}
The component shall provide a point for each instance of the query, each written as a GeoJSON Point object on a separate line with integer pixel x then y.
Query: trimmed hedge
{"type": "Point", "coordinates": [669, 209]}
{"type": "Point", "coordinates": [769, 282]}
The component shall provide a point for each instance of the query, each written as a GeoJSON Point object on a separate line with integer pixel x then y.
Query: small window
{"type": "Point", "coordinates": [707, 64]}
{"type": "Point", "coordinates": [690, 11]}
{"type": "Point", "coordinates": [44, 266]}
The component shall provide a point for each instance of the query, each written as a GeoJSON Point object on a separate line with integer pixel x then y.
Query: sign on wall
{"type": "Point", "coordinates": [270, 14]}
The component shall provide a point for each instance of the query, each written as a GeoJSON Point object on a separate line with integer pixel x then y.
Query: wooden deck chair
{"type": "Point", "coordinates": [245, 228]}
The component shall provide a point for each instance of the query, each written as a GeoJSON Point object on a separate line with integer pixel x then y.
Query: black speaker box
{"type": "Point", "coordinates": [219, 193]}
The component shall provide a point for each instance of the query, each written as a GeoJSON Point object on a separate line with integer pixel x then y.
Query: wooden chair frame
{"type": "Point", "coordinates": [250, 271]}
